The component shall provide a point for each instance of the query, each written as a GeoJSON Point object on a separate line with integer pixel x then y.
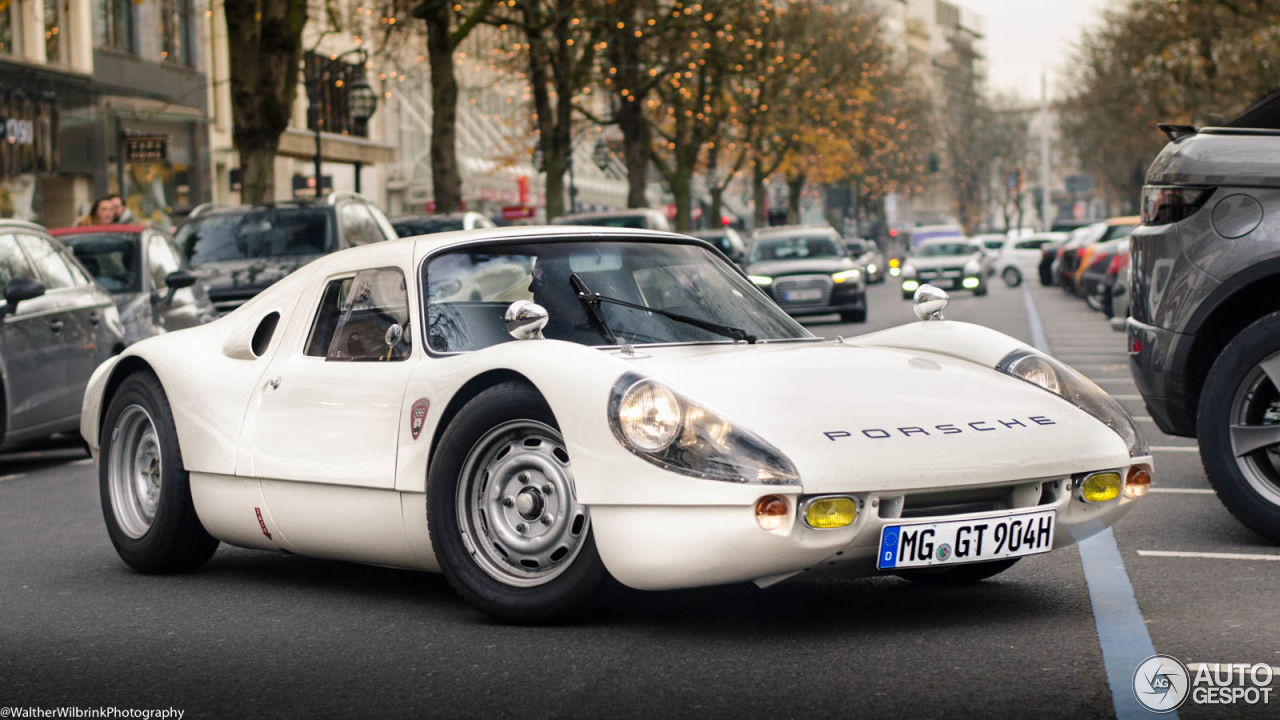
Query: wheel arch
{"type": "Point", "coordinates": [470, 389]}
{"type": "Point", "coordinates": [123, 369]}
{"type": "Point", "coordinates": [1234, 306]}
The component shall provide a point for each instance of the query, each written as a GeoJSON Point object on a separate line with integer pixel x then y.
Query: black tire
{"type": "Point", "coordinates": [1012, 276]}
{"type": "Point", "coordinates": [173, 541]}
{"type": "Point", "coordinates": [1238, 392]}
{"type": "Point", "coordinates": [908, 296]}
{"type": "Point", "coordinates": [961, 574]}
{"type": "Point", "coordinates": [854, 316]}
{"type": "Point", "coordinates": [980, 290]}
{"type": "Point", "coordinates": [553, 600]}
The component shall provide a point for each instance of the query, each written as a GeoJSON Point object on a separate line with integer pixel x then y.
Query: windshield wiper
{"type": "Point", "coordinates": [593, 307]}
{"type": "Point", "coordinates": [593, 300]}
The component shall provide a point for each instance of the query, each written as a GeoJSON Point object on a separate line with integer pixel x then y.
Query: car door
{"type": "Point", "coordinates": [329, 409]}
{"type": "Point", "coordinates": [34, 363]}
{"type": "Point", "coordinates": [160, 259]}
{"type": "Point", "coordinates": [73, 335]}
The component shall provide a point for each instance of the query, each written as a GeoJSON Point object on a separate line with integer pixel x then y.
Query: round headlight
{"type": "Point", "coordinates": [1035, 369]}
{"type": "Point", "coordinates": [649, 415]}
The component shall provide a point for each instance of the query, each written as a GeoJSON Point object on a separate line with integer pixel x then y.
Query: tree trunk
{"type": "Point", "coordinates": [759, 198]}
{"type": "Point", "coordinates": [635, 150]}
{"type": "Point", "coordinates": [264, 42]}
{"type": "Point", "coordinates": [446, 182]}
{"type": "Point", "coordinates": [795, 186]}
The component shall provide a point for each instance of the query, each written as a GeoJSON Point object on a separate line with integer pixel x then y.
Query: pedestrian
{"type": "Point", "coordinates": [102, 212]}
{"type": "Point", "coordinates": [124, 215]}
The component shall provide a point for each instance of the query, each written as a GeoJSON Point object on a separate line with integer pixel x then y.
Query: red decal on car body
{"type": "Point", "coordinates": [418, 416]}
{"type": "Point", "coordinates": [262, 523]}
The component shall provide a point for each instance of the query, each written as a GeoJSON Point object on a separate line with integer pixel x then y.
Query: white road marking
{"type": "Point", "coordinates": [1142, 418]}
{"type": "Point", "coordinates": [89, 461]}
{"type": "Point", "coordinates": [1115, 379]}
{"type": "Point", "coordinates": [15, 476]}
{"type": "Point", "coordinates": [1129, 396]}
{"type": "Point", "coordinates": [1207, 555]}
{"type": "Point", "coordinates": [1175, 448]}
{"type": "Point", "coordinates": [1181, 491]}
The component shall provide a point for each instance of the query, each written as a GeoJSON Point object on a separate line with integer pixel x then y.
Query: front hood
{"type": "Point", "coordinates": [942, 261]}
{"type": "Point", "coordinates": [879, 418]}
{"type": "Point", "coordinates": [774, 268]}
{"type": "Point", "coordinates": [249, 276]}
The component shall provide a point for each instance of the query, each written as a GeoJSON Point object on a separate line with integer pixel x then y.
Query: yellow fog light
{"type": "Point", "coordinates": [1101, 487]}
{"type": "Point", "coordinates": [771, 512]}
{"type": "Point", "coordinates": [971, 283]}
{"type": "Point", "coordinates": [1138, 482]}
{"type": "Point", "coordinates": [831, 512]}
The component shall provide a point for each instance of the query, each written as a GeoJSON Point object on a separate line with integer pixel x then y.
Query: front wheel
{"type": "Point", "coordinates": [980, 290]}
{"type": "Point", "coordinates": [854, 316]}
{"type": "Point", "coordinates": [1238, 425]}
{"type": "Point", "coordinates": [144, 488]}
{"type": "Point", "coordinates": [960, 574]}
{"type": "Point", "coordinates": [1012, 276]}
{"type": "Point", "coordinates": [503, 514]}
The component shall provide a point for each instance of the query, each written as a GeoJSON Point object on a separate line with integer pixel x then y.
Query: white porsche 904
{"type": "Point", "coordinates": [531, 410]}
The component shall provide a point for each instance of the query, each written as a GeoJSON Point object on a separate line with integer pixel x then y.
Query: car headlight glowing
{"type": "Point", "coordinates": [846, 275]}
{"type": "Point", "coordinates": [970, 283]}
{"type": "Point", "coordinates": [649, 416]}
{"type": "Point", "coordinates": [761, 280]}
{"type": "Point", "coordinates": [678, 434]}
{"type": "Point", "coordinates": [1048, 373]}
{"type": "Point", "coordinates": [909, 285]}
{"type": "Point", "coordinates": [871, 268]}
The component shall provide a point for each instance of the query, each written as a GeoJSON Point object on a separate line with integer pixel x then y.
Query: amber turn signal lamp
{"type": "Point", "coordinates": [771, 512]}
{"type": "Point", "coordinates": [1138, 482]}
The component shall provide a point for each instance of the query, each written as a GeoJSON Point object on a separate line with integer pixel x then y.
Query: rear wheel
{"type": "Point", "coordinates": [144, 488]}
{"type": "Point", "coordinates": [1012, 276]}
{"type": "Point", "coordinates": [502, 510]}
{"type": "Point", "coordinates": [1238, 425]}
{"type": "Point", "coordinates": [960, 574]}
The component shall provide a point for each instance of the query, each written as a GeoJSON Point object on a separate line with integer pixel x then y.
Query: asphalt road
{"type": "Point", "coordinates": [266, 635]}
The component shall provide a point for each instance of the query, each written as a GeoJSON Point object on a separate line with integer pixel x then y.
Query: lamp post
{"type": "Point", "coordinates": [600, 155]}
{"type": "Point", "coordinates": [361, 102]}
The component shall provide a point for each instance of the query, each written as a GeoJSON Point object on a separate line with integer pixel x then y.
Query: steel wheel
{"type": "Point", "coordinates": [1255, 428]}
{"type": "Point", "coordinates": [135, 471]}
{"type": "Point", "coordinates": [516, 509]}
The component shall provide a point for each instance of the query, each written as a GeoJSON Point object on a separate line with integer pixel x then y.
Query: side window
{"type": "Point", "coordinates": [78, 273]}
{"type": "Point", "coordinates": [161, 259]}
{"type": "Point", "coordinates": [13, 263]}
{"type": "Point", "coordinates": [363, 319]}
{"type": "Point", "coordinates": [53, 270]}
{"type": "Point", "coordinates": [1029, 244]}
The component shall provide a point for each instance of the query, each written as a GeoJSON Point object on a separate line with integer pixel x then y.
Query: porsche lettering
{"type": "Point", "coordinates": [942, 429]}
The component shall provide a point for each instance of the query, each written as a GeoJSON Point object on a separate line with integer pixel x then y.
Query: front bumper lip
{"type": "Point", "coordinates": [663, 548]}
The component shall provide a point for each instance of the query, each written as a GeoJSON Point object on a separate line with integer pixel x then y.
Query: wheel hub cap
{"type": "Point", "coordinates": [134, 471]}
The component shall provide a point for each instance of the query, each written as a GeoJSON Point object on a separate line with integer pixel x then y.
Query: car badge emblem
{"type": "Point", "coordinates": [418, 416]}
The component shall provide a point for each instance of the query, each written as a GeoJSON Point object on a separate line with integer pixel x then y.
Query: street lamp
{"type": "Point", "coordinates": [361, 101]}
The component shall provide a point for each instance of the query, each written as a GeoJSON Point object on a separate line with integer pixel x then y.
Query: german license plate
{"type": "Point", "coordinates": [954, 542]}
{"type": "Point", "coordinates": [802, 295]}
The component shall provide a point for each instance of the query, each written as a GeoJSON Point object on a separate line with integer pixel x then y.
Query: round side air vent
{"type": "Point", "coordinates": [1237, 215]}
{"type": "Point", "coordinates": [262, 336]}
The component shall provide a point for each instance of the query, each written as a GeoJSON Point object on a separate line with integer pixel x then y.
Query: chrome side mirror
{"type": "Point", "coordinates": [525, 319]}
{"type": "Point", "coordinates": [929, 302]}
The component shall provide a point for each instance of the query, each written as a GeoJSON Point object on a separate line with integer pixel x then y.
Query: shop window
{"type": "Point", "coordinates": [114, 26]}
{"type": "Point", "coordinates": [53, 44]}
{"type": "Point", "coordinates": [175, 31]}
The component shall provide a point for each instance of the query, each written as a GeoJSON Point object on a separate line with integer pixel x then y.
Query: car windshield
{"type": "Point", "coordinates": [469, 290]}
{"type": "Point", "coordinates": [945, 248]}
{"type": "Point", "coordinates": [794, 247]}
{"type": "Point", "coordinates": [255, 233]}
{"type": "Point", "coordinates": [426, 226]}
{"type": "Point", "coordinates": [112, 258]}
{"type": "Point", "coordinates": [618, 221]}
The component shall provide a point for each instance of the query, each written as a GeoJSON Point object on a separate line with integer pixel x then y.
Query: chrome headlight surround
{"type": "Point", "coordinates": [675, 433]}
{"type": "Point", "coordinates": [1052, 375]}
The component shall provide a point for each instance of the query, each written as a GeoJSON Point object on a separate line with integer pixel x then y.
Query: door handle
{"type": "Point", "coordinates": [56, 325]}
{"type": "Point", "coordinates": [94, 318]}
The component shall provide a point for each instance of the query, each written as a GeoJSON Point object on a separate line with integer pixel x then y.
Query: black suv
{"type": "Point", "coordinates": [240, 250]}
{"type": "Point", "coordinates": [1204, 336]}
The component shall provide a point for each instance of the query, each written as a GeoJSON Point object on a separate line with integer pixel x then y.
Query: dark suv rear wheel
{"type": "Point", "coordinates": [1238, 425]}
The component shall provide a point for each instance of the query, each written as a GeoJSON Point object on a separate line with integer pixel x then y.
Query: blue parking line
{"type": "Point", "coordinates": [1122, 632]}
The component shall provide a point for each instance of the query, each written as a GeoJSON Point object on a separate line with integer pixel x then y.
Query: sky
{"type": "Point", "coordinates": [1024, 36]}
